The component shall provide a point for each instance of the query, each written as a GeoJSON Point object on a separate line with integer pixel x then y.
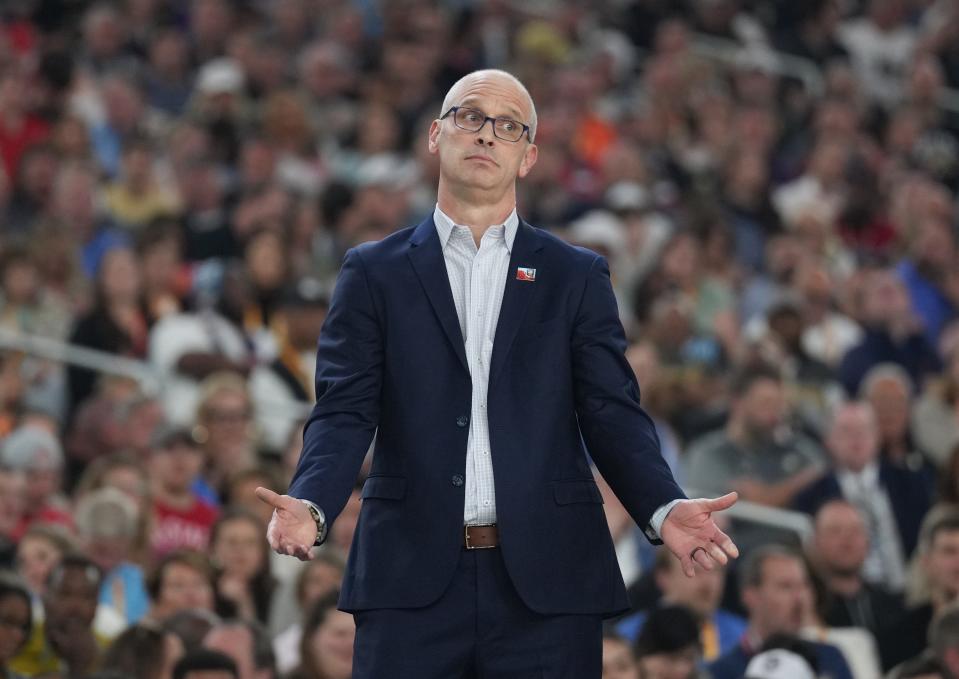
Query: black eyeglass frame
{"type": "Point", "coordinates": [454, 109]}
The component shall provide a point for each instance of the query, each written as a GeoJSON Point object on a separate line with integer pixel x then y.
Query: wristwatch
{"type": "Point", "coordinates": [320, 518]}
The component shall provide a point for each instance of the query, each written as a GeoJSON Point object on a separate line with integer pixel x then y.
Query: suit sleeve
{"type": "Point", "coordinates": [349, 366]}
{"type": "Point", "coordinates": [619, 434]}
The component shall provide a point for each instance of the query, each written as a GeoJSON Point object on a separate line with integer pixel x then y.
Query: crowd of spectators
{"type": "Point", "coordinates": [773, 183]}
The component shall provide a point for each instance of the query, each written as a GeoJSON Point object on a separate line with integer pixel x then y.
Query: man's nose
{"type": "Point", "coordinates": [484, 140]}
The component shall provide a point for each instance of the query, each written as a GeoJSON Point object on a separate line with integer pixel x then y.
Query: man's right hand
{"type": "Point", "coordinates": [292, 530]}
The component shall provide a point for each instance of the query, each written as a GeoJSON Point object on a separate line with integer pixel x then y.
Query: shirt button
{"type": "Point", "coordinates": [462, 421]}
{"type": "Point", "coordinates": [457, 480]}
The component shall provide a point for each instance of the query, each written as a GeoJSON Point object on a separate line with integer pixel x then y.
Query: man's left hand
{"type": "Point", "coordinates": [691, 534]}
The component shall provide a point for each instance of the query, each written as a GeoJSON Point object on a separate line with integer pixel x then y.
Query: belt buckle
{"type": "Point", "coordinates": [466, 536]}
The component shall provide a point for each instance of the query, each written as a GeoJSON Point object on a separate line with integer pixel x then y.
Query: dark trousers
{"type": "Point", "coordinates": [478, 629]}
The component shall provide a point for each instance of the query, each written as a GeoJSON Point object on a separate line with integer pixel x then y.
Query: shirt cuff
{"type": "Point", "coordinates": [655, 528]}
{"type": "Point", "coordinates": [321, 525]}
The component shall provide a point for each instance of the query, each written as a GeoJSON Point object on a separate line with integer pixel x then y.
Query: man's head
{"type": "Point", "coordinates": [175, 459]}
{"type": "Point", "coordinates": [775, 590]}
{"type": "Point", "coordinates": [205, 664]}
{"type": "Point", "coordinates": [700, 594]}
{"type": "Point", "coordinates": [247, 644]}
{"type": "Point", "coordinates": [485, 160]}
{"type": "Point", "coordinates": [760, 402]}
{"type": "Point", "coordinates": [840, 539]}
{"type": "Point", "coordinates": [853, 438]}
{"type": "Point", "coordinates": [181, 581]}
{"type": "Point", "coordinates": [940, 557]}
{"type": "Point", "coordinates": [73, 589]}
{"type": "Point", "coordinates": [668, 646]}
{"type": "Point", "coordinates": [887, 387]}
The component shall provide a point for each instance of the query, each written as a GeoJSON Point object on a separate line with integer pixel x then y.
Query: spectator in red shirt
{"type": "Point", "coordinates": [19, 129]}
{"type": "Point", "coordinates": [180, 518]}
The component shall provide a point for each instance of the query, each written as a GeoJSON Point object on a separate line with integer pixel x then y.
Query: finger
{"type": "Point", "coordinates": [720, 503]}
{"type": "Point", "coordinates": [702, 558]}
{"type": "Point", "coordinates": [689, 569]}
{"type": "Point", "coordinates": [717, 554]}
{"type": "Point", "coordinates": [269, 497]}
{"type": "Point", "coordinates": [726, 544]}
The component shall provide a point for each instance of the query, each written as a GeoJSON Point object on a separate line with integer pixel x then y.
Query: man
{"type": "Point", "coordinates": [776, 592]}
{"type": "Point", "coordinates": [892, 499]}
{"type": "Point", "coordinates": [719, 631]}
{"type": "Point", "coordinates": [181, 518]}
{"type": "Point", "coordinates": [483, 357]}
{"type": "Point", "coordinates": [756, 453]}
{"type": "Point", "coordinates": [64, 642]}
{"type": "Point", "coordinates": [181, 581]}
{"type": "Point", "coordinates": [944, 640]}
{"type": "Point", "coordinates": [668, 646]}
{"type": "Point", "coordinates": [838, 551]}
{"type": "Point", "coordinates": [205, 664]}
{"type": "Point", "coordinates": [247, 644]}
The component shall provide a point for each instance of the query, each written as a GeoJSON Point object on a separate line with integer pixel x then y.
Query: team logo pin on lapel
{"type": "Point", "coordinates": [525, 274]}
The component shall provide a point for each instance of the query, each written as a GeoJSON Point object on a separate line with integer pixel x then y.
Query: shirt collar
{"type": "Point", "coordinates": [867, 478]}
{"type": "Point", "coordinates": [444, 227]}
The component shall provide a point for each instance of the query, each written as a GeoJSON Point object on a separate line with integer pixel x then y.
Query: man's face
{"type": "Point", "coordinates": [72, 600]}
{"type": "Point", "coordinates": [237, 643]}
{"type": "Point", "coordinates": [677, 665]}
{"type": "Point", "coordinates": [778, 602]}
{"type": "Point", "coordinates": [701, 593]}
{"type": "Point", "coordinates": [618, 660]}
{"type": "Point", "coordinates": [183, 588]}
{"type": "Point", "coordinates": [471, 161]}
{"type": "Point", "coordinates": [841, 539]}
{"type": "Point", "coordinates": [941, 564]}
{"type": "Point", "coordinates": [854, 438]}
{"type": "Point", "coordinates": [763, 408]}
{"type": "Point", "coordinates": [175, 467]}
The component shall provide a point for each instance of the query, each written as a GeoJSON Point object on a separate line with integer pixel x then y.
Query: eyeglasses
{"type": "Point", "coordinates": [472, 120]}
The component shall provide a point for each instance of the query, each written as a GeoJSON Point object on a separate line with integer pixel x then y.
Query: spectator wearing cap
{"type": "Point", "coordinates": [719, 630]}
{"type": "Point", "coordinates": [778, 663]}
{"type": "Point", "coordinates": [181, 519]}
{"type": "Point", "coordinates": [65, 643]}
{"type": "Point", "coordinates": [286, 384]}
{"type": "Point", "coordinates": [668, 646]}
{"type": "Point", "coordinates": [37, 453]}
{"type": "Point", "coordinates": [107, 524]}
{"type": "Point", "coordinates": [776, 591]}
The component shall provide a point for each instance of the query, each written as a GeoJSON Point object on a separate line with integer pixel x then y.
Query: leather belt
{"type": "Point", "coordinates": [484, 536]}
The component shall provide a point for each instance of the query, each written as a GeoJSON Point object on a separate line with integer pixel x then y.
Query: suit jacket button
{"type": "Point", "coordinates": [457, 480]}
{"type": "Point", "coordinates": [462, 421]}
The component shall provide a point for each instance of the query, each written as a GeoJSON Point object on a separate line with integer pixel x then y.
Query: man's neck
{"type": "Point", "coordinates": [475, 209]}
{"type": "Point", "coordinates": [847, 585]}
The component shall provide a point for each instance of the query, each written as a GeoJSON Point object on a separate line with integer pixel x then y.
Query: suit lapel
{"type": "Point", "coordinates": [517, 296]}
{"type": "Point", "coordinates": [426, 255]}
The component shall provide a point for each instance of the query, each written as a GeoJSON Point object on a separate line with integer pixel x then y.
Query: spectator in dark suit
{"type": "Point", "coordinates": [838, 551]}
{"type": "Point", "coordinates": [893, 499]}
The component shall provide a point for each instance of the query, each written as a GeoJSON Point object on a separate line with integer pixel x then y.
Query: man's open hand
{"type": "Point", "coordinates": [691, 534]}
{"type": "Point", "coordinates": [292, 530]}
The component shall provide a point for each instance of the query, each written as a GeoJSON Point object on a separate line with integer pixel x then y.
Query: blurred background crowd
{"type": "Point", "coordinates": [774, 185]}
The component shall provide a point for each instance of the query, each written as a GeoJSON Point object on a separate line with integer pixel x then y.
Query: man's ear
{"type": "Point", "coordinates": [434, 136]}
{"type": "Point", "coordinates": [529, 159]}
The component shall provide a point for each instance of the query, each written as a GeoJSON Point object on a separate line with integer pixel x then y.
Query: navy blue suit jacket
{"type": "Point", "coordinates": [908, 492]}
{"type": "Point", "coordinates": [391, 360]}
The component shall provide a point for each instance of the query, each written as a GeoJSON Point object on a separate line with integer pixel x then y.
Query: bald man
{"type": "Point", "coordinates": [483, 352]}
